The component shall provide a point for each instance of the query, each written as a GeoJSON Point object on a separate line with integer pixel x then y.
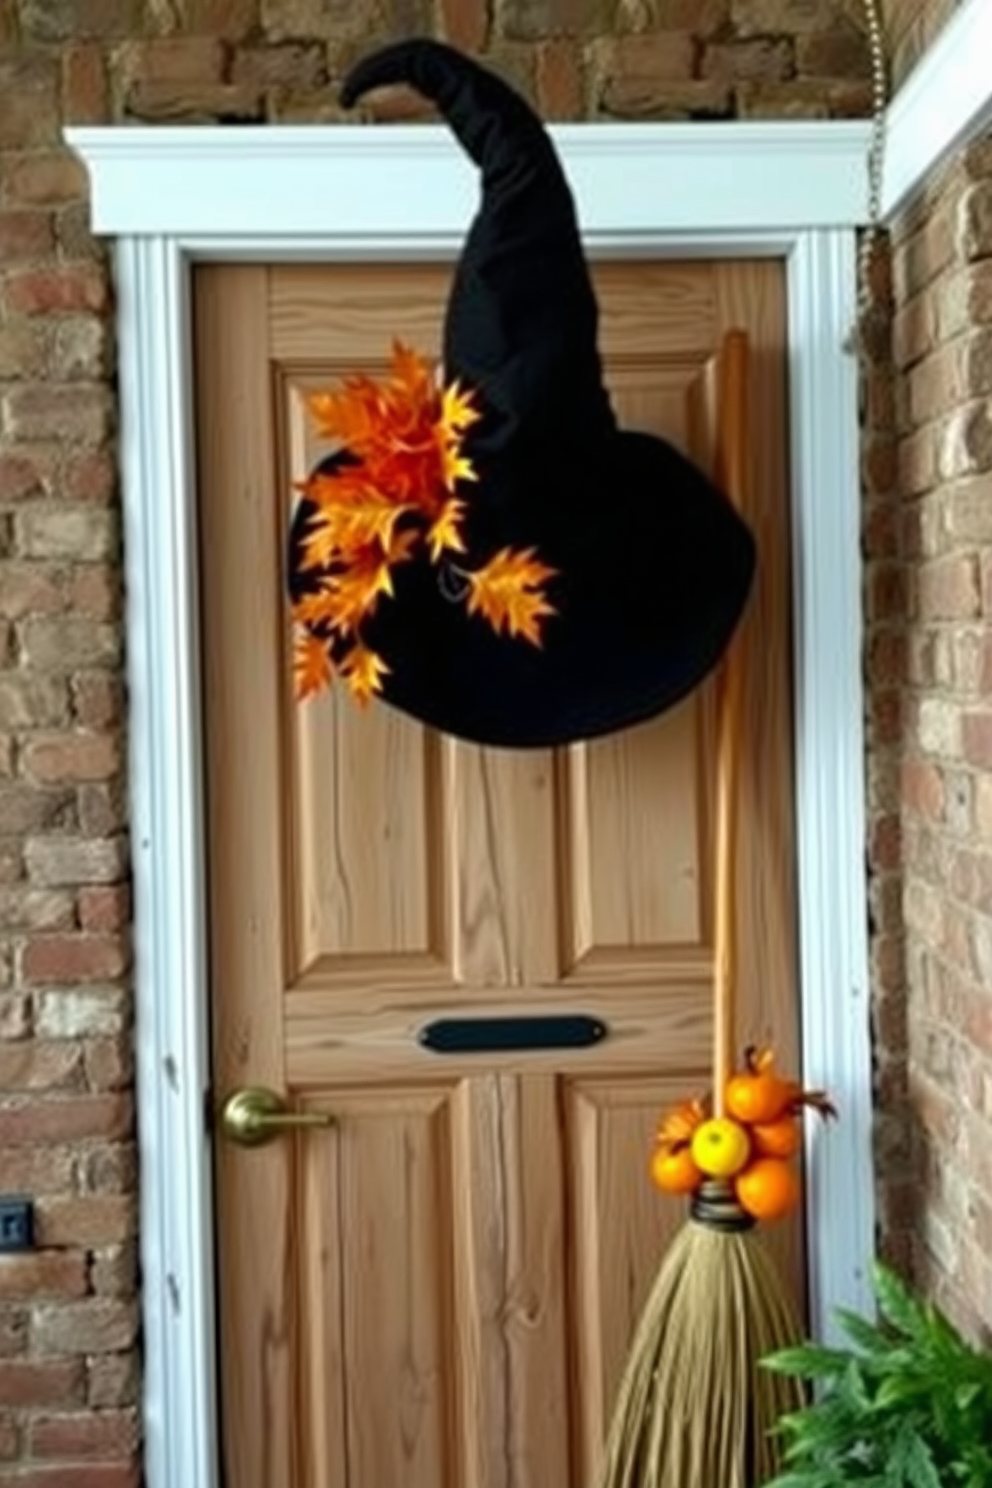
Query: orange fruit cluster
{"type": "Point", "coordinates": [753, 1145]}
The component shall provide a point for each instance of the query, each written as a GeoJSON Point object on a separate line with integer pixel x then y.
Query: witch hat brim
{"type": "Point", "coordinates": [642, 618]}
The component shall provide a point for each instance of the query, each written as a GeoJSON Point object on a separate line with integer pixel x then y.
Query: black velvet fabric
{"type": "Point", "coordinates": [654, 563]}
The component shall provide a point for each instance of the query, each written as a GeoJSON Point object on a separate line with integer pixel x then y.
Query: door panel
{"type": "Point", "coordinates": [439, 1289]}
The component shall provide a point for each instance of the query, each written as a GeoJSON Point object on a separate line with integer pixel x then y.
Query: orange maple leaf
{"type": "Point", "coordinates": [412, 373]}
{"type": "Point", "coordinates": [354, 589]}
{"type": "Point", "coordinates": [312, 670]}
{"type": "Point", "coordinates": [363, 672]}
{"type": "Point", "coordinates": [444, 534]}
{"type": "Point", "coordinates": [458, 411]}
{"type": "Point", "coordinates": [352, 513]}
{"type": "Point", "coordinates": [508, 592]}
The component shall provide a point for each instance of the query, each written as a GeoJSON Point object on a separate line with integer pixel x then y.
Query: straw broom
{"type": "Point", "coordinates": [694, 1409]}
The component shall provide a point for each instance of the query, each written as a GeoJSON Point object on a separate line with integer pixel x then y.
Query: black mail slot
{"type": "Point", "coordinates": [498, 1035]}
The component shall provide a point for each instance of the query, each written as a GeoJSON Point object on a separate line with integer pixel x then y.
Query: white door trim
{"type": "Point", "coordinates": [944, 104]}
{"type": "Point", "coordinates": [174, 196]}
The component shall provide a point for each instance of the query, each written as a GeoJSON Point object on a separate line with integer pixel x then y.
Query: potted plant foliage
{"type": "Point", "coordinates": [905, 1402]}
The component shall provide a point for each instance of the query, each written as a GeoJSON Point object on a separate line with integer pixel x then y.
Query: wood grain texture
{"type": "Point", "coordinates": [240, 520]}
{"type": "Point", "coordinates": [376, 1331]}
{"type": "Point", "coordinates": [439, 1291]}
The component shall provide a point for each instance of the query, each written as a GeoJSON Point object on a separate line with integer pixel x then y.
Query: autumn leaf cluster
{"type": "Point", "coordinates": [397, 496]}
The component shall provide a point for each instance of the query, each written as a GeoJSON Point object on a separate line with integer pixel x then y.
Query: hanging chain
{"type": "Point", "coordinates": [876, 159]}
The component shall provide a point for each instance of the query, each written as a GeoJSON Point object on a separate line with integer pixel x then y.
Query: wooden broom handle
{"type": "Point", "coordinates": [731, 470]}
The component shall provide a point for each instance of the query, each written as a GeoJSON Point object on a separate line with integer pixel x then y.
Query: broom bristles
{"type": "Point", "coordinates": [694, 1409]}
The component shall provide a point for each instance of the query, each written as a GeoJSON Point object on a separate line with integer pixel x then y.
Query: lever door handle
{"type": "Point", "coordinates": [253, 1116]}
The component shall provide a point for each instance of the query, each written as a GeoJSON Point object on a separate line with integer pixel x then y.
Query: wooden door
{"type": "Point", "coordinates": [438, 1290]}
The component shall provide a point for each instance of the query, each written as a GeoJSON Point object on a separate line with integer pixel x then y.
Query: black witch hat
{"type": "Point", "coordinates": [645, 566]}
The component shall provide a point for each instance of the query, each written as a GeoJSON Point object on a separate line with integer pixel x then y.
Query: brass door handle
{"type": "Point", "coordinates": [254, 1115]}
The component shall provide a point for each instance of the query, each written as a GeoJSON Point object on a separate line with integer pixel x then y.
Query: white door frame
{"type": "Point", "coordinates": [174, 196]}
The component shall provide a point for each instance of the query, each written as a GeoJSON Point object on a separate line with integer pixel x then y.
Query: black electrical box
{"type": "Point", "coordinates": [16, 1224]}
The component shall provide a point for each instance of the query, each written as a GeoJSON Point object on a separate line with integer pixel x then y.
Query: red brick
{"type": "Point", "coordinates": [230, 19]}
{"type": "Point", "coordinates": [83, 349]}
{"type": "Point", "coordinates": [73, 958]}
{"type": "Point", "coordinates": [885, 717]}
{"type": "Point", "coordinates": [465, 24]}
{"type": "Point", "coordinates": [765, 59]}
{"type": "Point", "coordinates": [704, 18]}
{"type": "Point", "coordinates": [98, 699]}
{"type": "Point", "coordinates": [86, 1220]}
{"type": "Point", "coordinates": [31, 808]}
{"type": "Point", "coordinates": [25, 236]}
{"type": "Point", "coordinates": [634, 76]}
{"type": "Point", "coordinates": [90, 475]}
{"type": "Point", "coordinates": [110, 1168]}
{"type": "Point", "coordinates": [103, 808]}
{"type": "Point", "coordinates": [290, 64]}
{"type": "Point", "coordinates": [966, 443]}
{"type": "Point", "coordinates": [65, 20]}
{"type": "Point", "coordinates": [105, 908]}
{"type": "Point", "coordinates": [881, 529]}
{"type": "Point", "coordinates": [29, 1383]}
{"type": "Point", "coordinates": [975, 221]}
{"type": "Point", "coordinates": [61, 757]}
{"type": "Point", "coordinates": [40, 1273]}
{"type": "Point", "coordinates": [24, 474]}
{"type": "Point", "coordinates": [192, 103]}
{"type": "Point", "coordinates": [73, 531]}
{"type": "Point", "coordinates": [75, 238]}
{"type": "Point", "coordinates": [65, 642]}
{"type": "Point", "coordinates": [886, 592]}
{"type": "Point", "coordinates": [40, 178]}
{"type": "Point", "coordinates": [559, 81]}
{"type": "Point", "coordinates": [841, 52]}
{"type": "Point", "coordinates": [26, 908]}
{"type": "Point", "coordinates": [29, 104]}
{"type": "Point", "coordinates": [174, 59]}
{"type": "Point", "coordinates": [71, 860]}
{"type": "Point", "coordinates": [23, 351]}
{"type": "Point", "coordinates": [803, 98]}
{"type": "Point", "coordinates": [769, 17]}
{"type": "Point", "coordinates": [917, 462]}
{"type": "Point", "coordinates": [13, 1330]}
{"type": "Point", "coordinates": [950, 589]}
{"type": "Point", "coordinates": [40, 1066]}
{"type": "Point", "coordinates": [109, 1063]}
{"type": "Point", "coordinates": [30, 589]}
{"type": "Point", "coordinates": [73, 1118]}
{"type": "Point", "coordinates": [913, 330]}
{"type": "Point", "coordinates": [78, 414]}
{"type": "Point", "coordinates": [114, 1270]}
{"type": "Point", "coordinates": [885, 843]}
{"type": "Point", "coordinates": [103, 1435]}
{"type": "Point", "coordinates": [32, 700]}
{"type": "Point", "coordinates": [94, 1325]}
{"type": "Point", "coordinates": [40, 1169]}
{"type": "Point", "coordinates": [94, 1475]}
{"type": "Point", "coordinates": [887, 657]}
{"type": "Point", "coordinates": [85, 94]}
{"type": "Point", "coordinates": [10, 1437]}
{"type": "Point", "coordinates": [96, 587]}
{"type": "Point", "coordinates": [75, 1012]}
{"type": "Point", "coordinates": [976, 736]}
{"type": "Point", "coordinates": [923, 788]}
{"type": "Point", "coordinates": [43, 291]}
{"type": "Point", "coordinates": [113, 1380]}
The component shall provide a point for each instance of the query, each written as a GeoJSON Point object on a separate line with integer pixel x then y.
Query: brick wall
{"type": "Point", "coordinates": [69, 1378]}
{"type": "Point", "coordinates": [911, 27]}
{"type": "Point", "coordinates": [937, 576]}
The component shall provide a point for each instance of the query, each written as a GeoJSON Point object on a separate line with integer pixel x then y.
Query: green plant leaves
{"type": "Point", "coordinates": [907, 1404]}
